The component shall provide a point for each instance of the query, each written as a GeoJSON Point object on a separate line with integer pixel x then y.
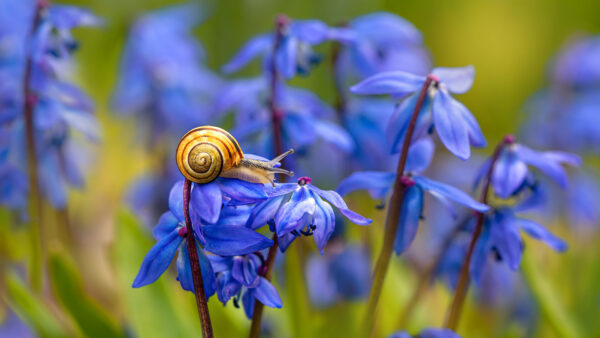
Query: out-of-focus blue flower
{"type": "Point", "coordinates": [13, 326]}
{"type": "Point", "coordinates": [59, 107]}
{"type": "Point", "coordinates": [294, 54]}
{"type": "Point", "coordinates": [427, 333]}
{"type": "Point", "coordinates": [161, 74]}
{"type": "Point", "coordinates": [383, 42]}
{"type": "Point", "coordinates": [226, 236]}
{"type": "Point", "coordinates": [578, 64]}
{"type": "Point", "coordinates": [584, 199]}
{"type": "Point", "coordinates": [240, 277]}
{"type": "Point", "coordinates": [511, 170]}
{"type": "Point", "coordinates": [343, 275]}
{"type": "Point", "coordinates": [304, 116]}
{"type": "Point", "coordinates": [453, 122]}
{"type": "Point", "coordinates": [295, 209]}
{"type": "Point", "coordinates": [379, 184]}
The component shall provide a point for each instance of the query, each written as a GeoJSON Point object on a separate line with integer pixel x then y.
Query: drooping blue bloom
{"type": "Point", "coordinates": [453, 122]}
{"type": "Point", "coordinates": [295, 209]}
{"type": "Point", "coordinates": [162, 79]}
{"type": "Point", "coordinates": [304, 117]}
{"type": "Point", "coordinates": [60, 107]}
{"type": "Point", "coordinates": [226, 235]}
{"type": "Point", "coordinates": [578, 65]}
{"type": "Point", "coordinates": [294, 54]}
{"type": "Point", "coordinates": [240, 277]}
{"type": "Point", "coordinates": [379, 184]}
{"type": "Point", "coordinates": [343, 274]}
{"type": "Point", "coordinates": [427, 333]}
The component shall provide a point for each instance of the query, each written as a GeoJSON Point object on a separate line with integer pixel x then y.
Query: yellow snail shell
{"type": "Point", "coordinates": [207, 152]}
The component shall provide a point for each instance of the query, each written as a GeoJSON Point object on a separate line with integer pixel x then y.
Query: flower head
{"type": "Point", "coordinates": [453, 122]}
{"type": "Point", "coordinates": [295, 209]}
{"type": "Point", "coordinates": [239, 277]}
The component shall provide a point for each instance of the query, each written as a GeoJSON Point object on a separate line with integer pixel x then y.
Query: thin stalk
{"type": "Point", "coordinates": [280, 25]}
{"type": "Point", "coordinates": [201, 303]}
{"type": "Point", "coordinates": [35, 201]}
{"type": "Point", "coordinates": [463, 281]}
{"type": "Point", "coordinates": [341, 99]}
{"type": "Point", "coordinates": [393, 214]}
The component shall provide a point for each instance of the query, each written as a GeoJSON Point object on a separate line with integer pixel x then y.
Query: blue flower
{"type": "Point", "coordinates": [60, 108]}
{"type": "Point", "coordinates": [427, 333]}
{"type": "Point", "coordinates": [161, 74]}
{"type": "Point", "coordinates": [295, 209]}
{"type": "Point", "coordinates": [294, 54]}
{"type": "Point", "coordinates": [342, 274]}
{"type": "Point", "coordinates": [240, 277]}
{"type": "Point", "coordinates": [304, 117]}
{"type": "Point", "coordinates": [577, 64]}
{"type": "Point", "coordinates": [226, 236]}
{"type": "Point", "coordinates": [511, 171]}
{"type": "Point", "coordinates": [501, 234]}
{"type": "Point", "coordinates": [379, 184]}
{"type": "Point", "coordinates": [384, 42]}
{"type": "Point", "coordinates": [453, 122]}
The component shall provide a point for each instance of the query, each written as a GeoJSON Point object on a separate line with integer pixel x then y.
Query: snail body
{"type": "Point", "coordinates": [207, 152]}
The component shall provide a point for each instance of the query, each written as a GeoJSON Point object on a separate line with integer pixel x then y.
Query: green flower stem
{"type": "Point", "coordinates": [201, 302]}
{"type": "Point", "coordinates": [393, 215]}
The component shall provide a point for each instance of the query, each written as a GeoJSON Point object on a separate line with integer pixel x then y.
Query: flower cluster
{"type": "Point", "coordinates": [36, 55]}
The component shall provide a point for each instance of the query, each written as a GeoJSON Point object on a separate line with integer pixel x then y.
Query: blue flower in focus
{"type": "Point", "coordinates": [295, 209]}
{"type": "Point", "coordinates": [427, 333]}
{"type": "Point", "coordinates": [453, 122]}
{"type": "Point", "coordinates": [240, 277]}
{"type": "Point", "coordinates": [379, 184]}
{"type": "Point", "coordinates": [227, 236]}
{"type": "Point", "coordinates": [343, 274]}
{"type": "Point", "coordinates": [161, 72]}
{"type": "Point", "coordinates": [294, 54]}
{"type": "Point", "coordinates": [304, 117]}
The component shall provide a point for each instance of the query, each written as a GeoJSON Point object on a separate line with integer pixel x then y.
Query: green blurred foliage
{"type": "Point", "coordinates": [508, 41]}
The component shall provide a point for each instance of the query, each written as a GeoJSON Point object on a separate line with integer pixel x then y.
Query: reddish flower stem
{"type": "Point", "coordinates": [463, 281]}
{"type": "Point", "coordinates": [393, 215]}
{"type": "Point", "coordinates": [201, 302]}
{"type": "Point", "coordinates": [281, 23]}
{"type": "Point", "coordinates": [35, 200]}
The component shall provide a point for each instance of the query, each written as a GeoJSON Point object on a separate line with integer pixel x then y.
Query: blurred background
{"type": "Point", "coordinates": [510, 44]}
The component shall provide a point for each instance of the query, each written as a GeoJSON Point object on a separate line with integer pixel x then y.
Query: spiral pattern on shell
{"type": "Point", "coordinates": [204, 152]}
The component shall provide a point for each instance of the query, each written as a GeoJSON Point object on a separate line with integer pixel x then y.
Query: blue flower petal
{"type": "Point", "coordinates": [292, 215]}
{"type": "Point", "coordinates": [505, 237]}
{"type": "Point", "coordinates": [166, 224]}
{"type": "Point", "coordinates": [440, 189]}
{"type": "Point", "coordinates": [396, 83]}
{"type": "Point", "coordinates": [184, 271]}
{"type": "Point", "coordinates": [450, 125]}
{"type": "Point", "coordinates": [412, 206]}
{"type": "Point", "coordinates": [233, 240]}
{"type": "Point", "coordinates": [335, 199]}
{"type": "Point", "coordinates": [244, 270]}
{"type": "Point", "coordinates": [157, 260]}
{"type": "Point", "coordinates": [266, 293]}
{"type": "Point", "coordinates": [207, 201]}
{"type": "Point", "coordinates": [261, 44]}
{"type": "Point", "coordinates": [248, 302]}
{"type": "Point", "coordinates": [264, 212]}
{"type": "Point", "coordinates": [400, 119]}
{"type": "Point", "coordinates": [540, 232]}
{"type": "Point", "coordinates": [282, 189]}
{"type": "Point", "coordinates": [285, 240]}
{"type": "Point", "coordinates": [324, 220]}
{"type": "Point", "coordinates": [420, 155]}
{"type": "Point", "coordinates": [458, 80]}
{"type": "Point", "coordinates": [334, 134]}
{"type": "Point", "coordinates": [320, 282]}
{"type": "Point", "coordinates": [235, 215]}
{"type": "Point", "coordinates": [242, 192]}
{"type": "Point", "coordinates": [476, 137]}
{"type": "Point", "coordinates": [480, 252]}
{"type": "Point", "coordinates": [508, 174]}
{"type": "Point", "coordinates": [548, 163]}
{"type": "Point", "coordinates": [378, 183]}
{"type": "Point", "coordinates": [176, 200]}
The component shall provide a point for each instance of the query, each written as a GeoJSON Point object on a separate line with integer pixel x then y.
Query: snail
{"type": "Point", "coordinates": [207, 152]}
